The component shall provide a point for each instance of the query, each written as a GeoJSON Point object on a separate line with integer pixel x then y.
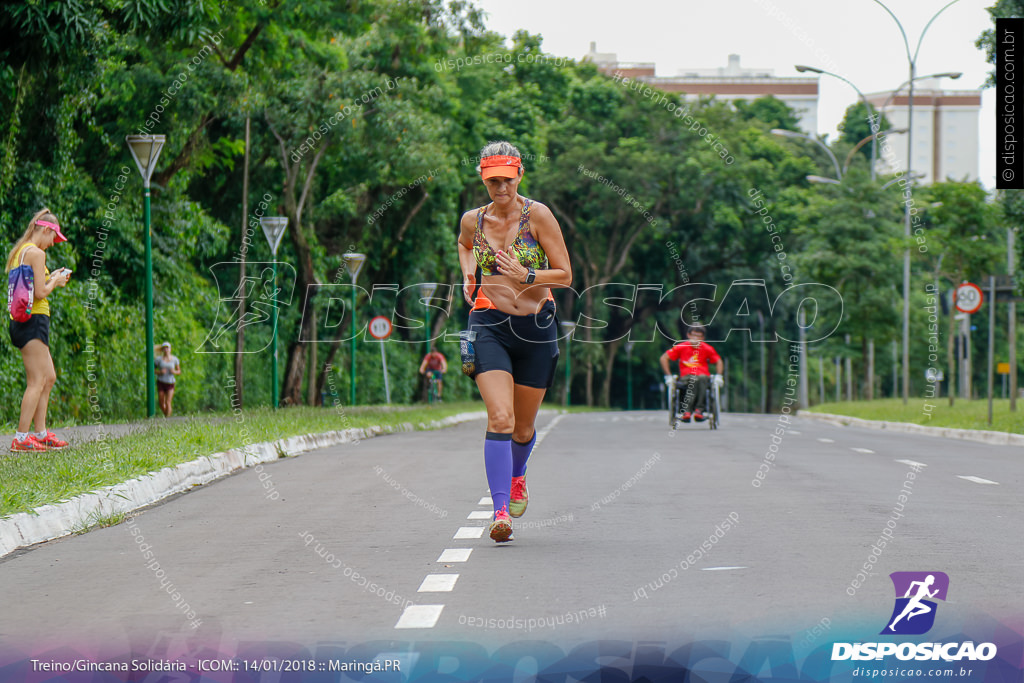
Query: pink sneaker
{"type": "Point", "coordinates": [29, 443]}
{"type": "Point", "coordinates": [52, 442]}
{"type": "Point", "coordinates": [501, 527]}
{"type": "Point", "coordinates": [520, 497]}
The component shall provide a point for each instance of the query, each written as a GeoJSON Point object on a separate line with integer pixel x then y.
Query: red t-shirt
{"type": "Point", "coordinates": [693, 361]}
{"type": "Point", "coordinates": [435, 361]}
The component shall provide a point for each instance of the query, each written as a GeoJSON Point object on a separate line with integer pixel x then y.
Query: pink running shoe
{"type": "Point", "coordinates": [501, 527]}
{"type": "Point", "coordinates": [520, 497]}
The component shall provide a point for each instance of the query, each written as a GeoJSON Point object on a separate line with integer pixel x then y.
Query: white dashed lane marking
{"type": "Point", "coordinates": [862, 450]}
{"type": "Point", "coordinates": [420, 616]}
{"type": "Point", "coordinates": [827, 440]}
{"type": "Point", "coordinates": [912, 463]}
{"type": "Point", "coordinates": [468, 532]}
{"type": "Point", "coordinates": [438, 583]}
{"type": "Point", "coordinates": [978, 480]}
{"type": "Point", "coordinates": [720, 569]}
{"type": "Point", "coordinates": [426, 616]}
{"type": "Point", "coordinates": [455, 555]}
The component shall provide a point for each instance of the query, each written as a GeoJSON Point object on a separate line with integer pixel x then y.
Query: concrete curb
{"type": "Point", "coordinates": [55, 521]}
{"type": "Point", "coordinates": [982, 436]}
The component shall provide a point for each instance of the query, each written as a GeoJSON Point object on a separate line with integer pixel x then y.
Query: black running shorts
{"type": "Point", "coordinates": [526, 346]}
{"type": "Point", "coordinates": [36, 327]}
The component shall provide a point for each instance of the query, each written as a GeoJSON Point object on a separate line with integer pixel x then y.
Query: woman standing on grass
{"type": "Point", "coordinates": [518, 248]}
{"type": "Point", "coordinates": [33, 335]}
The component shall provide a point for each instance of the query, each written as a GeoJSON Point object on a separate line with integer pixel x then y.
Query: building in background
{"type": "Point", "coordinates": [945, 131]}
{"type": "Point", "coordinates": [731, 82]}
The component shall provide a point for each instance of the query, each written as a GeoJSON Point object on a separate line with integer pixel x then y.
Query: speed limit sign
{"type": "Point", "coordinates": [968, 298]}
{"type": "Point", "coordinates": [380, 327]}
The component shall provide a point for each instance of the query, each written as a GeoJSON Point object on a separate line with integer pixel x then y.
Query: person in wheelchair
{"type": "Point", "coordinates": [693, 356]}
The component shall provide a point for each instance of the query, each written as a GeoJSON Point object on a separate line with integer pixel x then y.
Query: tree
{"type": "Point", "coordinates": [1002, 9]}
{"type": "Point", "coordinates": [856, 126]}
{"type": "Point", "coordinates": [963, 244]}
{"type": "Point", "coordinates": [770, 110]}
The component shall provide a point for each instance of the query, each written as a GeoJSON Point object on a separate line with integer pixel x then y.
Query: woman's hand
{"type": "Point", "coordinates": [510, 265]}
{"type": "Point", "coordinates": [468, 284]}
{"type": "Point", "coordinates": [61, 277]}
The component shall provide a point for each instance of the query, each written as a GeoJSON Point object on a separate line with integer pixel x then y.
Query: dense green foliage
{"type": "Point", "coordinates": [366, 118]}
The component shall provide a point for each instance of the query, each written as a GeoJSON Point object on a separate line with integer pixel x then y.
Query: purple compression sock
{"type": "Point", "coordinates": [498, 463]}
{"type": "Point", "coordinates": [520, 454]}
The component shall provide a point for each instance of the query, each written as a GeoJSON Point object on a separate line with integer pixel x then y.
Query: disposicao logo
{"type": "Point", "coordinates": [914, 614]}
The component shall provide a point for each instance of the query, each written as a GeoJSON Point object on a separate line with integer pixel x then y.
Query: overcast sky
{"type": "Point", "coordinates": [854, 38]}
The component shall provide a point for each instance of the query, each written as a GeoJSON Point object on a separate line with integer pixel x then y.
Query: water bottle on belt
{"type": "Point", "coordinates": [467, 351]}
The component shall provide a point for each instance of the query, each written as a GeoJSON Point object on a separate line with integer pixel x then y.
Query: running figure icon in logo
{"type": "Point", "coordinates": [916, 588]}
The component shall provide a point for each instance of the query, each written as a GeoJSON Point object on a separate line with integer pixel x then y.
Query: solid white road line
{"type": "Point", "coordinates": [480, 514]}
{"type": "Point", "coordinates": [468, 532]}
{"type": "Point", "coordinates": [862, 450]}
{"type": "Point", "coordinates": [420, 616]}
{"type": "Point", "coordinates": [913, 463]}
{"type": "Point", "coordinates": [978, 480]}
{"type": "Point", "coordinates": [547, 429]}
{"type": "Point", "coordinates": [438, 583]}
{"type": "Point", "coordinates": [455, 555]}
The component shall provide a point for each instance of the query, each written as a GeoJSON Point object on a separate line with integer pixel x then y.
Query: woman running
{"type": "Point", "coordinates": [33, 336]}
{"type": "Point", "coordinates": [518, 248]}
{"type": "Point", "coordinates": [167, 368]}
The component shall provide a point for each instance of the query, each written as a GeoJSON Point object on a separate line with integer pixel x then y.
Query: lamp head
{"type": "Point", "coordinates": [427, 289]}
{"type": "Point", "coordinates": [273, 228]}
{"type": "Point", "coordinates": [145, 150]}
{"type": "Point", "coordinates": [354, 263]}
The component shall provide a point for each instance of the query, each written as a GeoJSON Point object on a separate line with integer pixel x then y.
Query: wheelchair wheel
{"type": "Point", "coordinates": [713, 398]}
{"type": "Point", "coordinates": [673, 414]}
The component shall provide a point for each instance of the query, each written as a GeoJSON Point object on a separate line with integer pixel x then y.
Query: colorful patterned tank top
{"type": "Point", "coordinates": [524, 247]}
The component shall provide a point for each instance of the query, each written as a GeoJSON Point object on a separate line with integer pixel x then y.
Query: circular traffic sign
{"type": "Point", "coordinates": [968, 298]}
{"type": "Point", "coordinates": [380, 327]}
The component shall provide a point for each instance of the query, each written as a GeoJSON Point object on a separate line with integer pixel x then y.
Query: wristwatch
{"type": "Point", "coordinates": [531, 275]}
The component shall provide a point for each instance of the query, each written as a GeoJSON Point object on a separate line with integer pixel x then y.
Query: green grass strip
{"type": "Point", "coordinates": [934, 413]}
{"type": "Point", "coordinates": [30, 480]}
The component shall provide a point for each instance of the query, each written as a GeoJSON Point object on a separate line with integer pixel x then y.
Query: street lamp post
{"type": "Point", "coordinates": [354, 263]}
{"type": "Point", "coordinates": [629, 375]}
{"type": "Point", "coordinates": [568, 327]}
{"type": "Point", "coordinates": [427, 290]}
{"type": "Point", "coordinates": [145, 150]}
{"type": "Point", "coordinates": [803, 398]}
{"type": "Point", "coordinates": [912, 67]}
{"type": "Point", "coordinates": [1012, 331]}
{"type": "Point", "coordinates": [871, 112]}
{"type": "Point", "coordinates": [763, 405]}
{"type": "Point", "coordinates": [273, 228]}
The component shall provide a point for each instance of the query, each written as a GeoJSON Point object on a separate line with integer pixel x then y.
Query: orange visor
{"type": "Point", "coordinates": [500, 166]}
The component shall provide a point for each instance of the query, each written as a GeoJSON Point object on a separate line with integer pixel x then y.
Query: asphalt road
{"type": "Point", "coordinates": [611, 546]}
